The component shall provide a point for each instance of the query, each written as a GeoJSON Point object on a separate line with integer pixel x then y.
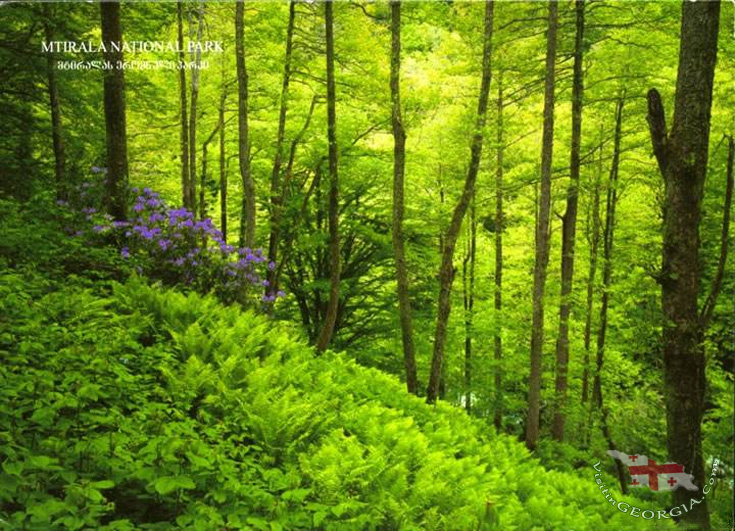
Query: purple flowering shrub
{"type": "Point", "coordinates": [170, 245]}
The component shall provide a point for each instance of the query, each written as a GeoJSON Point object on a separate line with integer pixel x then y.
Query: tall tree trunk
{"type": "Point", "coordinates": [56, 125]}
{"type": "Point", "coordinates": [612, 199]}
{"type": "Point", "coordinates": [569, 231]}
{"type": "Point", "coordinates": [469, 305]}
{"type": "Point", "coordinates": [116, 196]}
{"type": "Point", "coordinates": [247, 213]}
{"type": "Point", "coordinates": [183, 109]}
{"type": "Point", "coordinates": [682, 158]}
{"type": "Point", "coordinates": [330, 316]}
{"type": "Point", "coordinates": [446, 273]}
{"type": "Point", "coordinates": [197, 56]}
{"type": "Point", "coordinates": [399, 164]}
{"type": "Point", "coordinates": [498, 299]}
{"type": "Point", "coordinates": [203, 181]}
{"type": "Point", "coordinates": [222, 166]}
{"type": "Point", "coordinates": [277, 195]}
{"type": "Point", "coordinates": [593, 240]}
{"type": "Point", "coordinates": [542, 236]}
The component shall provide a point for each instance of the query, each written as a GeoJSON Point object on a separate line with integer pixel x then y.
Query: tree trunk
{"type": "Point", "coordinates": [184, 110]}
{"type": "Point", "coordinates": [203, 181]}
{"type": "Point", "coordinates": [542, 236]}
{"type": "Point", "coordinates": [569, 231]}
{"type": "Point", "coordinates": [222, 167]}
{"type": "Point", "coordinates": [247, 213]}
{"type": "Point", "coordinates": [469, 306]}
{"type": "Point", "coordinates": [197, 56]}
{"type": "Point", "coordinates": [277, 195]}
{"type": "Point", "coordinates": [399, 164]}
{"type": "Point", "coordinates": [116, 200]}
{"type": "Point", "coordinates": [607, 243]}
{"type": "Point", "coordinates": [330, 317]}
{"type": "Point", "coordinates": [593, 240]}
{"type": "Point", "coordinates": [498, 299]}
{"type": "Point", "coordinates": [56, 125]}
{"type": "Point", "coordinates": [446, 273]}
{"type": "Point", "coordinates": [682, 158]}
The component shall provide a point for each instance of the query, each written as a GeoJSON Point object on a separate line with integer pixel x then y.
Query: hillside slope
{"type": "Point", "coordinates": [153, 409]}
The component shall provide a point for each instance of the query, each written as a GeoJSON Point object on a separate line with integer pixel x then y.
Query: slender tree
{"type": "Point", "coordinates": [569, 230]}
{"type": "Point", "coordinates": [446, 272]}
{"type": "Point", "coordinates": [277, 194]}
{"type": "Point", "coordinates": [682, 155]}
{"type": "Point", "coordinates": [399, 164]}
{"type": "Point", "coordinates": [593, 238]}
{"type": "Point", "coordinates": [542, 235]}
{"type": "Point", "coordinates": [498, 295]}
{"type": "Point", "coordinates": [55, 104]}
{"type": "Point", "coordinates": [468, 284]}
{"type": "Point", "coordinates": [183, 106]}
{"type": "Point", "coordinates": [247, 212]}
{"type": "Point", "coordinates": [116, 201]}
{"type": "Point", "coordinates": [197, 60]}
{"type": "Point", "coordinates": [203, 180]}
{"type": "Point", "coordinates": [607, 243]}
{"type": "Point", "coordinates": [222, 164]}
{"type": "Point", "coordinates": [330, 316]}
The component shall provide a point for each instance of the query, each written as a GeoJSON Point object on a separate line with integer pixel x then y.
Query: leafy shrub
{"type": "Point", "coordinates": [153, 410]}
{"type": "Point", "coordinates": [170, 245]}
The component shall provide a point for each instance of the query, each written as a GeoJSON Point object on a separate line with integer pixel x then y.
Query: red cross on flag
{"type": "Point", "coordinates": [644, 471]}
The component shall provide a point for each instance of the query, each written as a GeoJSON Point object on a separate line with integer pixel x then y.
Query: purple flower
{"type": "Point", "coordinates": [119, 224]}
{"type": "Point", "coordinates": [125, 252]}
{"type": "Point", "coordinates": [281, 293]}
{"type": "Point", "coordinates": [138, 207]}
{"type": "Point", "coordinates": [271, 266]}
{"type": "Point", "coordinates": [99, 228]}
{"type": "Point", "coordinates": [96, 169]}
{"type": "Point", "coordinates": [89, 210]}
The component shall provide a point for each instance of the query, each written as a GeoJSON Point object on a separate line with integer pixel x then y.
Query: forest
{"type": "Point", "coordinates": [314, 264]}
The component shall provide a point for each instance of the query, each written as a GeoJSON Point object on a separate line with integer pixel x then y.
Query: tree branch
{"type": "Point", "coordinates": [709, 304]}
{"type": "Point", "coordinates": [657, 125]}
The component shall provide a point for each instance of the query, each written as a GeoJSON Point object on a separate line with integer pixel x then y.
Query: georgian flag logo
{"type": "Point", "coordinates": [646, 472]}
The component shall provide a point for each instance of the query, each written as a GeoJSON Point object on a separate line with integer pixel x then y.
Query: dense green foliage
{"type": "Point", "coordinates": [149, 407]}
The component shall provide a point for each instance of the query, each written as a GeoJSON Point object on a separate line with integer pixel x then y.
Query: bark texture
{"type": "Point", "coordinates": [682, 157]}
{"type": "Point", "coordinates": [247, 212]}
{"type": "Point", "coordinates": [399, 164]}
{"type": "Point", "coordinates": [330, 316]}
{"type": "Point", "coordinates": [498, 298]}
{"type": "Point", "coordinates": [116, 200]}
{"type": "Point", "coordinates": [55, 104]}
{"type": "Point", "coordinates": [569, 232]}
{"type": "Point", "coordinates": [542, 236]}
{"type": "Point", "coordinates": [277, 193]}
{"type": "Point", "coordinates": [184, 111]}
{"type": "Point", "coordinates": [197, 56]}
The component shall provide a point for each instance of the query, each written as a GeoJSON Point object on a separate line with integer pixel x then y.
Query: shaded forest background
{"type": "Point", "coordinates": [499, 158]}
